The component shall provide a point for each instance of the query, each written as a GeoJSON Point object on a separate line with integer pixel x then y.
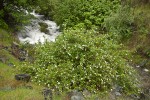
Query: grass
{"type": "Point", "coordinates": [11, 89]}
{"type": "Point", "coordinates": [140, 40]}
{"type": "Point", "coordinates": [139, 44]}
{"type": "Point", "coordinates": [21, 94]}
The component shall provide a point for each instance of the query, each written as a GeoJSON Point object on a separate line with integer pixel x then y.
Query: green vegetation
{"type": "Point", "coordinates": [12, 13]}
{"type": "Point", "coordinates": [14, 90]}
{"type": "Point", "coordinates": [9, 87]}
{"type": "Point", "coordinates": [81, 59]}
{"type": "Point", "coordinates": [43, 27]}
{"type": "Point", "coordinates": [120, 24]}
{"type": "Point", "coordinates": [83, 13]}
{"type": "Point", "coordinates": [101, 43]}
{"type": "Point", "coordinates": [5, 38]}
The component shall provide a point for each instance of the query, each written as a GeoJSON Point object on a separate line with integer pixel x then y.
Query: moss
{"type": "Point", "coordinates": [43, 27]}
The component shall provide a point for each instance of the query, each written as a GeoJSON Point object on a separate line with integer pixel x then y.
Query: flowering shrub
{"type": "Point", "coordinates": [79, 59]}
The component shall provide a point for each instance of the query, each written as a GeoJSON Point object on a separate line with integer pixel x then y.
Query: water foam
{"type": "Point", "coordinates": [32, 33]}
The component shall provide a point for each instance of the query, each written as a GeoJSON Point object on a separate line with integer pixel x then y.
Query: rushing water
{"type": "Point", "coordinates": [32, 33]}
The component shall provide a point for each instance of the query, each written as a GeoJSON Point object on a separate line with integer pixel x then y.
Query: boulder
{"type": "Point", "coordinates": [48, 95]}
{"type": "Point", "coordinates": [43, 27]}
{"type": "Point", "coordinates": [75, 95]}
{"type": "Point", "coordinates": [23, 77]}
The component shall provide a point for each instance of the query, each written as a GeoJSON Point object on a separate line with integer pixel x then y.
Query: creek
{"type": "Point", "coordinates": [39, 30]}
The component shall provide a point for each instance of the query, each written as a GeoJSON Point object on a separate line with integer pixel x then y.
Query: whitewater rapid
{"type": "Point", "coordinates": [32, 34]}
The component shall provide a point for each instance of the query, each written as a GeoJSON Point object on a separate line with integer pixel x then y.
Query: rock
{"type": "Point", "coordinates": [43, 24]}
{"type": "Point", "coordinates": [19, 53]}
{"type": "Point", "coordinates": [23, 77]}
{"type": "Point", "coordinates": [86, 93]}
{"type": "Point", "coordinates": [24, 35]}
{"type": "Point", "coordinates": [48, 95]}
{"type": "Point", "coordinates": [22, 58]}
{"type": "Point", "coordinates": [117, 93]}
{"type": "Point", "coordinates": [23, 54]}
{"type": "Point", "coordinates": [43, 27]}
{"type": "Point", "coordinates": [75, 95]}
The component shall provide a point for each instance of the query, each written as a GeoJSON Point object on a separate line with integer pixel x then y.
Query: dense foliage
{"type": "Point", "coordinates": [80, 60]}
{"type": "Point", "coordinates": [120, 24]}
{"type": "Point", "coordinates": [13, 13]}
{"type": "Point", "coordinates": [85, 13]}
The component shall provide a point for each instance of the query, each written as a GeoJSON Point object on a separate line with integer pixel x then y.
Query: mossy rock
{"type": "Point", "coordinates": [43, 27]}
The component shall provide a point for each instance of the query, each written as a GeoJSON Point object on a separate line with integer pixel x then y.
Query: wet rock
{"type": "Point", "coordinates": [43, 27]}
{"type": "Point", "coordinates": [24, 35]}
{"type": "Point", "coordinates": [75, 95]}
{"type": "Point", "coordinates": [23, 77]}
{"type": "Point", "coordinates": [48, 95]}
{"type": "Point", "coordinates": [18, 52]}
